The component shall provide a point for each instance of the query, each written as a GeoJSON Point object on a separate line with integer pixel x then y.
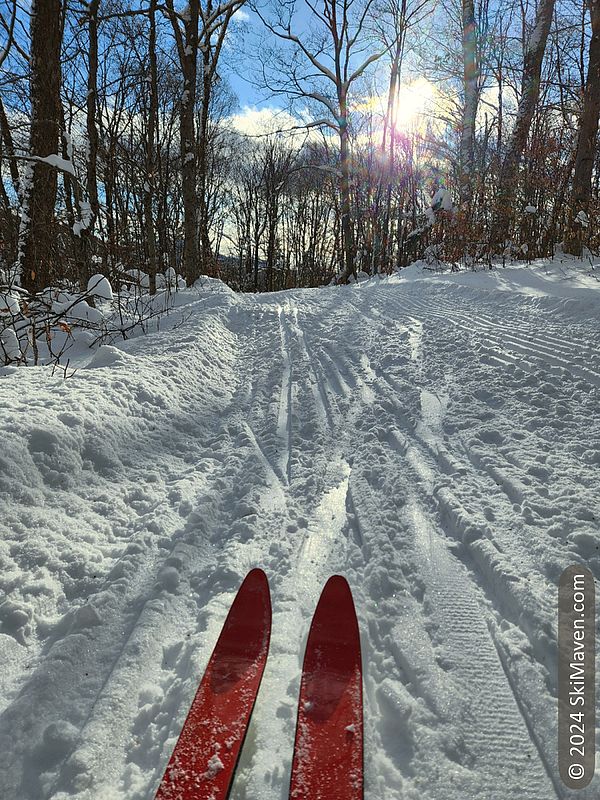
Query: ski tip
{"type": "Point", "coordinates": [256, 584]}
{"type": "Point", "coordinates": [205, 756]}
{"type": "Point", "coordinates": [328, 748]}
{"type": "Point", "coordinates": [338, 580]}
{"type": "Point", "coordinates": [337, 589]}
{"type": "Point", "coordinates": [335, 615]}
{"type": "Point", "coordinates": [257, 579]}
{"type": "Point", "coordinates": [257, 574]}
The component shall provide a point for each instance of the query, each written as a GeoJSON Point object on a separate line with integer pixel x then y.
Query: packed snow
{"type": "Point", "coordinates": [435, 438]}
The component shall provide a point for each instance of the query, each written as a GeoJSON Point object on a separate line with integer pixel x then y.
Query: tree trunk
{"type": "Point", "coordinates": [189, 155]}
{"type": "Point", "coordinates": [91, 106]}
{"type": "Point", "coordinates": [208, 67]}
{"type": "Point", "coordinates": [150, 182]}
{"type": "Point", "coordinates": [381, 255]}
{"type": "Point", "coordinates": [9, 148]}
{"type": "Point", "coordinates": [471, 92]}
{"type": "Point", "coordinates": [530, 90]}
{"type": "Point", "coordinates": [205, 248]}
{"type": "Point", "coordinates": [586, 145]}
{"type": "Point", "coordinates": [86, 216]}
{"type": "Point", "coordinates": [37, 222]}
{"type": "Point", "coordinates": [349, 267]}
{"type": "Point", "coordinates": [389, 121]}
{"type": "Point", "coordinates": [9, 220]}
{"type": "Point", "coordinates": [212, 44]}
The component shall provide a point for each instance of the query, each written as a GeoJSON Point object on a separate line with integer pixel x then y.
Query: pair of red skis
{"type": "Point", "coordinates": [328, 751]}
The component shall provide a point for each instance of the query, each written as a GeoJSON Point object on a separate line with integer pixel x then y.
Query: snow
{"type": "Point", "coordinates": [433, 437]}
{"type": "Point", "coordinates": [559, 285]}
{"type": "Point", "coordinates": [69, 145]}
{"type": "Point", "coordinates": [215, 765]}
{"type": "Point", "coordinates": [57, 161]}
{"type": "Point", "coordinates": [108, 356]}
{"type": "Point", "coordinates": [86, 216]}
{"type": "Point", "coordinates": [99, 286]}
{"type": "Point", "coordinates": [83, 312]}
{"type": "Point", "coordinates": [9, 344]}
{"type": "Point", "coordinates": [9, 304]}
{"type": "Point", "coordinates": [441, 200]}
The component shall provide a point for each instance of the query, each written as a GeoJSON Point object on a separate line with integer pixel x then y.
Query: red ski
{"type": "Point", "coordinates": [328, 752]}
{"type": "Point", "coordinates": [205, 757]}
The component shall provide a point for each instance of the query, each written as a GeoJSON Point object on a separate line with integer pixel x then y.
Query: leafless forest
{"type": "Point", "coordinates": [406, 129]}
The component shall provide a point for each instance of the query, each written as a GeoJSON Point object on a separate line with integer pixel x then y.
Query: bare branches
{"type": "Point", "coordinates": [287, 34]}
{"type": "Point", "coordinates": [9, 27]}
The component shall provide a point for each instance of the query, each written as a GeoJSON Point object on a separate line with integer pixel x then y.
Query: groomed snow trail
{"type": "Point", "coordinates": [437, 444]}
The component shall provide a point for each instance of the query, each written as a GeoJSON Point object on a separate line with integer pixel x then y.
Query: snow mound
{"type": "Point", "coordinates": [207, 284]}
{"type": "Point", "coordinates": [99, 286]}
{"type": "Point", "coordinates": [10, 344]}
{"type": "Point", "coordinates": [559, 278]}
{"type": "Point", "coordinates": [109, 356]}
{"type": "Point", "coordinates": [83, 312]}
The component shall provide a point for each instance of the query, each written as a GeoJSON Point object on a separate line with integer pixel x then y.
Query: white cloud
{"type": "Point", "coordinates": [253, 121]}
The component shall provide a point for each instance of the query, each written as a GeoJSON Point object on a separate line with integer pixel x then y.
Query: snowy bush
{"type": "Point", "coordinates": [44, 328]}
{"type": "Point", "coordinates": [173, 280]}
{"type": "Point", "coordinates": [432, 257]}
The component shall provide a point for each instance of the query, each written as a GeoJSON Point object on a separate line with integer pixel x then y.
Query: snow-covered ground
{"type": "Point", "coordinates": [434, 438]}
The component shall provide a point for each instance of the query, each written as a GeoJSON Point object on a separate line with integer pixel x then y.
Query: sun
{"type": "Point", "coordinates": [415, 106]}
{"type": "Point", "coordinates": [415, 100]}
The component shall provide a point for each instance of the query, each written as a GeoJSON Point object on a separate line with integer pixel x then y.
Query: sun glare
{"type": "Point", "coordinates": [415, 105]}
{"type": "Point", "coordinates": [414, 102]}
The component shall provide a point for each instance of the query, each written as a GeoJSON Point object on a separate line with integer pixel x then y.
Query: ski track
{"type": "Point", "coordinates": [432, 450]}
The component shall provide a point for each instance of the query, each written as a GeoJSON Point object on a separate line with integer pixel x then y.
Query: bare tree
{"type": "Point", "coordinates": [581, 195]}
{"type": "Point", "coordinates": [191, 41]}
{"type": "Point", "coordinates": [186, 31]}
{"type": "Point", "coordinates": [471, 100]}
{"type": "Point", "coordinates": [215, 28]}
{"type": "Point", "coordinates": [324, 67]}
{"type": "Point", "coordinates": [37, 215]}
{"type": "Point", "coordinates": [151, 125]}
{"type": "Point", "coordinates": [530, 89]}
{"type": "Point", "coordinates": [392, 21]}
{"type": "Point", "coordinates": [92, 112]}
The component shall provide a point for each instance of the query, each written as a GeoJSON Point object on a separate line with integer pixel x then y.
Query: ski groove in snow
{"type": "Point", "coordinates": [285, 401]}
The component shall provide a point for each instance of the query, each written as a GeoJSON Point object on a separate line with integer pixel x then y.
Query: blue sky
{"type": "Point", "coordinates": [240, 69]}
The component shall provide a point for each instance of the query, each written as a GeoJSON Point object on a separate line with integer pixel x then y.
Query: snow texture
{"type": "Point", "coordinates": [434, 438]}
